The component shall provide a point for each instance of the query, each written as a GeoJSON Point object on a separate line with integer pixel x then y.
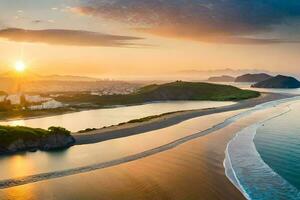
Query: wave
{"type": "Point", "coordinates": [248, 172]}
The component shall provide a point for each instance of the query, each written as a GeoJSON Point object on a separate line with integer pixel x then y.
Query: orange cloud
{"type": "Point", "coordinates": [68, 37]}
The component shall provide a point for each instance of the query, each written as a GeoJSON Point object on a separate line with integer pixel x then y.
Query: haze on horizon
{"type": "Point", "coordinates": [118, 38]}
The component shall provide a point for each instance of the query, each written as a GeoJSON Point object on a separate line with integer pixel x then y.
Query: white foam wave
{"type": "Point", "coordinates": [246, 169]}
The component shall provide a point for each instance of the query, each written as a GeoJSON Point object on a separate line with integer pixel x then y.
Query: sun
{"type": "Point", "coordinates": [20, 66]}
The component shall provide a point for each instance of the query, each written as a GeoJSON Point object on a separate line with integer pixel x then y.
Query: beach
{"type": "Point", "coordinates": [163, 121]}
{"type": "Point", "coordinates": [192, 170]}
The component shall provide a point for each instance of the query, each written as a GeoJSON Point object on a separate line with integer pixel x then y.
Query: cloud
{"type": "Point", "coordinates": [224, 21]}
{"type": "Point", "coordinates": [68, 37]}
{"type": "Point", "coordinates": [39, 21]}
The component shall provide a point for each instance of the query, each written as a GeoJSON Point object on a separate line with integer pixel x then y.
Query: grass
{"type": "Point", "coordinates": [145, 119]}
{"type": "Point", "coordinates": [87, 130]}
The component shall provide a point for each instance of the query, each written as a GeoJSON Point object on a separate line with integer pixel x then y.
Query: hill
{"type": "Point", "coordinates": [32, 76]}
{"type": "Point", "coordinates": [279, 81]}
{"type": "Point", "coordinates": [68, 78]}
{"type": "Point", "coordinates": [223, 78]}
{"type": "Point", "coordinates": [252, 77]}
{"type": "Point", "coordinates": [167, 92]}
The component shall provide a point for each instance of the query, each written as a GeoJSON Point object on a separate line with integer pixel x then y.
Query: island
{"type": "Point", "coordinates": [280, 81]}
{"type": "Point", "coordinates": [173, 91]}
{"type": "Point", "coordinates": [254, 78]}
{"type": "Point", "coordinates": [19, 138]}
{"type": "Point", "coordinates": [223, 78]}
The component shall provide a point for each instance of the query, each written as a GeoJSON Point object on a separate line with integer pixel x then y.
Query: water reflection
{"type": "Point", "coordinates": [84, 155]}
{"type": "Point", "coordinates": [112, 116]}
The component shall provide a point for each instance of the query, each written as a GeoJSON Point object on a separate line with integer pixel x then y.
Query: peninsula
{"type": "Point", "coordinates": [173, 91]}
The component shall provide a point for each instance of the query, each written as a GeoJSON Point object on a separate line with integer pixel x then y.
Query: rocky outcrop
{"type": "Point", "coordinates": [280, 82]}
{"type": "Point", "coordinates": [50, 142]}
{"type": "Point", "coordinates": [254, 78]}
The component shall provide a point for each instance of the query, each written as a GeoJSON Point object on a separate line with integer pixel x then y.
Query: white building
{"type": "Point", "coordinates": [52, 104]}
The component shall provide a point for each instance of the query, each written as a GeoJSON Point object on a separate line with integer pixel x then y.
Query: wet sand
{"type": "Point", "coordinates": [129, 129]}
{"type": "Point", "coordinates": [193, 170]}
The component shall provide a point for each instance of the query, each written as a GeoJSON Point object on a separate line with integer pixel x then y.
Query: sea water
{"type": "Point", "coordinates": [263, 160]}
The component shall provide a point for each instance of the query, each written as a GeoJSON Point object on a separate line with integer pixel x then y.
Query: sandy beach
{"type": "Point", "coordinates": [192, 170]}
{"type": "Point", "coordinates": [128, 129]}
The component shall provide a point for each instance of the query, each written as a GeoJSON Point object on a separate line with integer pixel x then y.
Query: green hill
{"type": "Point", "coordinates": [167, 92]}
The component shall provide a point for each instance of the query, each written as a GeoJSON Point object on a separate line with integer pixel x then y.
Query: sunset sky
{"type": "Point", "coordinates": [113, 38]}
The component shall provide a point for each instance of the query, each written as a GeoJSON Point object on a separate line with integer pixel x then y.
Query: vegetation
{"type": "Point", "coordinates": [10, 134]}
{"type": "Point", "coordinates": [171, 91]}
{"type": "Point", "coordinates": [87, 130]}
{"type": "Point", "coordinates": [145, 119]}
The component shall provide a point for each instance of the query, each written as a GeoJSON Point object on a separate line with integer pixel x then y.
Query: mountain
{"type": "Point", "coordinates": [279, 81]}
{"type": "Point", "coordinates": [32, 76]}
{"type": "Point", "coordinates": [218, 72]}
{"type": "Point", "coordinates": [253, 77]}
{"type": "Point", "coordinates": [223, 78]}
{"type": "Point", "coordinates": [68, 78]}
{"type": "Point", "coordinates": [30, 81]}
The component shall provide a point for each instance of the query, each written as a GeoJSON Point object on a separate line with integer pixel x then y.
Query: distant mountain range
{"type": "Point", "coordinates": [32, 76]}
{"type": "Point", "coordinates": [205, 74]}
{"type": "Point", "coordinates": [218, 72]}
{"type": "Point", "coordinates": [253, 77]}
{"type": "Point", "coordinates": [223, 78]}
{"type": "Point", "coordinates": [12, 82]}
{"type": "Point", "coordinates": [261, 80]}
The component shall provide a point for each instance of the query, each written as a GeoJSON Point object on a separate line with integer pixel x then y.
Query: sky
{"type": "Point", "coordinates": [118, 38]}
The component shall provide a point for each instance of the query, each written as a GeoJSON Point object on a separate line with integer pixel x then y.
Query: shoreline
{"type": "Point", "coordinates": [250, 160]}
{"type": "Point", "coordinates": [54, 112]}
{"type": "Point", "coordinates": [197, 160]}
{"type": "Point", "coordinates": [165, 120]}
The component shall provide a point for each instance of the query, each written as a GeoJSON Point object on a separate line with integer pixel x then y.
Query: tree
{"type": "Point", "coordinates": [58, 130]}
